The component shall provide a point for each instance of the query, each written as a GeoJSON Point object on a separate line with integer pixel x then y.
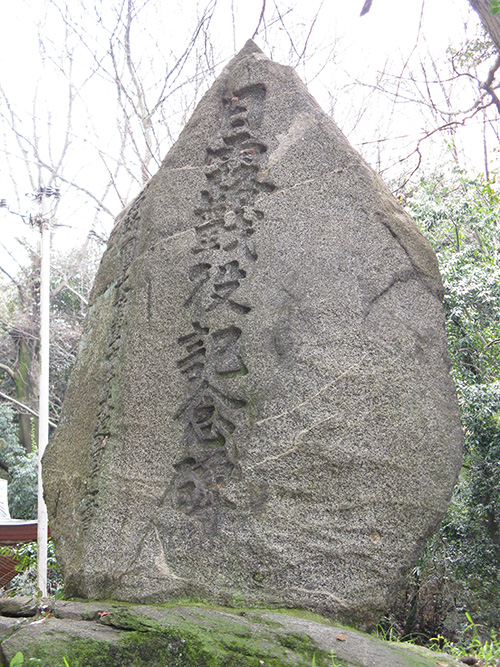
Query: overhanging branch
{"type": "Point", "coordinates": [24, 407]}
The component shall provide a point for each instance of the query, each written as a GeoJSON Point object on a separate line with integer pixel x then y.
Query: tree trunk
{"type": "Point", "coordinates": [490, 22]}
{"type": "Point", "coordinates": [24, 392]}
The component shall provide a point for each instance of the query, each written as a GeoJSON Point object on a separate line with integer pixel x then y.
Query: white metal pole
{"type": "Point", "coordinates": [43, 409]}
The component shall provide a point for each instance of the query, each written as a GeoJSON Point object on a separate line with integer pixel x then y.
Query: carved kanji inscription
{"type": "Point", "coordinates": [224, 255]}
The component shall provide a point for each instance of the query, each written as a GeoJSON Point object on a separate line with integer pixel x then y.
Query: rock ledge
{"type": "Point", "coordinates": [92, 634]}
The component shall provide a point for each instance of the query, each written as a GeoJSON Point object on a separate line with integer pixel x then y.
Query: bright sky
{"type": "Point", "coordinates": [343, 49]}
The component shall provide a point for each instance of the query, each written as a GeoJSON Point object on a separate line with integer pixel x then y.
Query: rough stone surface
{"type": "Point", "coordinates": [261, 409]}
{"type": "Point", "coordinates": [7, 624]}
{"type": "Point", "coordinates": [201, 636]}
{"type": "Point", "coordinates": [22, 605]}
{"type": "Point", "coordinates": [52, 638]}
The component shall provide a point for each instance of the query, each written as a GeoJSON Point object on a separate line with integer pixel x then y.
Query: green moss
{"type": "Point", "coordinates": [419, 656]}
{"type": "Point", "coordinates": [148, 644]}
{"type": "Point", "coordinates": [168, 648]}
{"type": "Point", "coordinates": [230, 640]}
{"type": "Point", "coordinates": [136, 649]}
{"type": "Point", "coordinates": [338, 662]}
{"type": "Point", "coordinates": [296, 641]}
{"type": "Point", "coordinates": [192, 635]}
{"type": "Point", "coordinates": [124, 619]}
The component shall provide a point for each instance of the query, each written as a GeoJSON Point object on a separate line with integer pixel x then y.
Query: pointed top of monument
{"type": "Point", "coordinates": [251, 47]}
{"type": "Point", "coordinates": [250, 52]}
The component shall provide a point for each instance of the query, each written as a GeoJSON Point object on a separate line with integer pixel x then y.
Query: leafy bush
{"type": "Point", "coordinates": [23, 488]}
{"type": "Point", "coordinates": [26, 582]}
{"type": "Point", "coordinates": [485, 651]}
{"type": "Point", "coordinates": [21, 469]}
{"type": "Point", "coordinates": [10, 449]}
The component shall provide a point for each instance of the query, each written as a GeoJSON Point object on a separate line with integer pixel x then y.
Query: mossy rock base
{"type": "Point", "coordinates": [93, 634]}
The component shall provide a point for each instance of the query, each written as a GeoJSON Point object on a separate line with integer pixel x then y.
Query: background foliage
{"type": "Point", "coordinates": [460, 569]}
{"type": "Point", "coordinates": [19, 468]}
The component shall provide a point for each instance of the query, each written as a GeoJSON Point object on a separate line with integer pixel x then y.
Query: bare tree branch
{"type": "Point", "coordinates": [23, 407]}
{"type": "Point", "coordinates": [311, 28]}
{"type": "Point", "coordinates": [8, 370]}
{"type": "Point", "coordinates": [366, 7]}
{"type": "Point", "coordinates": [488, 84]}
{"type": "Point", "coordinates": [261, 17]}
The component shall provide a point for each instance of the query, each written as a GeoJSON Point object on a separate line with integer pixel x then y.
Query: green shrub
{"type": "Point", "coordinates": [22, 469]}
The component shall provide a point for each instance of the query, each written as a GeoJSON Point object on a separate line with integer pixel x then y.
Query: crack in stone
{"type": "Point", "coordinates": [421, 275]}
{"type": "Point", "coordinates": [297, 441]}
{"type": "Point", "coordinates": [308, 181]}
{"type": "Point", "coordinates": [161, 561]}
{"type": "Point", "coordinates": [340, 601]}
{"type": "Point", "coordinates": [173, 236]}
{"type": "Point", "coordinates": [318, 393]}
{"type": "Point", "coordinates": [399, 279]}
{"type": "Point", "coordinates": [187, 167]}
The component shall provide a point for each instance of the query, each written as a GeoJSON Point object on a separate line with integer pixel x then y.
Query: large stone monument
{"type": "Point", "coordinates": [261, 409]}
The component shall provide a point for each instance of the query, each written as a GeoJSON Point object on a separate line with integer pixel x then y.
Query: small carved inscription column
{"type": "Point", "coordinates": [103, 429]}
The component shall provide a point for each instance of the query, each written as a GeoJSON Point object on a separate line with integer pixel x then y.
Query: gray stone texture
{"type": "Point", "coordinates": [261, 410]}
